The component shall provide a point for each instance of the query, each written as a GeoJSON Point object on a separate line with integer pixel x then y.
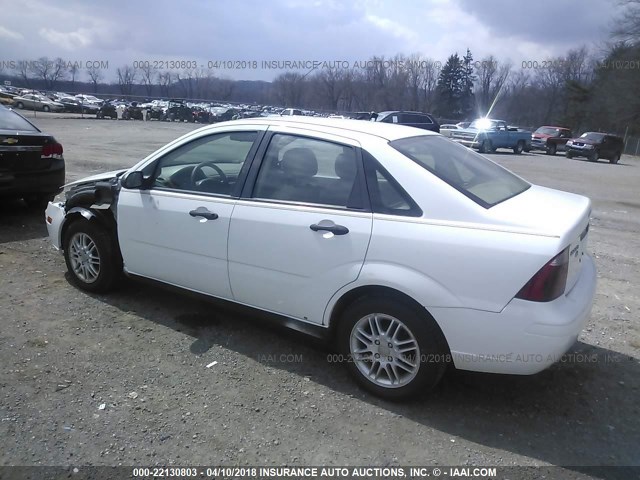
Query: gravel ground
{"type": "Point", "coordinates": [123, 379]}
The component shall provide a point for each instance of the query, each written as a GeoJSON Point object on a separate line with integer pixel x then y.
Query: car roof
{"type": "Point", "coordinates": [338, 126]}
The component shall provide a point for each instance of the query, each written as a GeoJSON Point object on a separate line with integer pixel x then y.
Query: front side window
{"type": "Point", "coordinates": [209, 164]}
{"type": "Point", "coordinates": [477, 177]}
{"type": "Point", "coordinates": [311, 171]}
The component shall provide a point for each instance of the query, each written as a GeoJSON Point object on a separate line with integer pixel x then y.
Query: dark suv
{"type": "Point", "coordinates": [31, 162]}
{"type": "Point", "coordinates": [595, 145]}
{"type": "Point", "coordinates": [412, 119]}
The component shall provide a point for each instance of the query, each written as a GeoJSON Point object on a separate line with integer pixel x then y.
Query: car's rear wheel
{"type": "Point", "coordinates": [615, 158]}
{"type": "Point", "coordinates": [90, 256]}
{"type": "Point", "coordinates": [551, 149]}
{"type": "Point", "coordinates": [392, 349]}
{"type": "Point", "coordinates": [519, 148]}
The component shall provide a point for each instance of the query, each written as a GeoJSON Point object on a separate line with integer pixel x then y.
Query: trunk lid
{"type": "Point", "coordinates": [22, 151]}
{"type": "Point", "coordinates": [554, 213]}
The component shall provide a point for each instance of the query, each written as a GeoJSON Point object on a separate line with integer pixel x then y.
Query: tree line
{"type": "Point", "coordinates": [581, 89]}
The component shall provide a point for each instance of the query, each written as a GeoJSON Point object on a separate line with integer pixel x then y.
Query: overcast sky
{"type": "Point", "coordinates": [203, 31]}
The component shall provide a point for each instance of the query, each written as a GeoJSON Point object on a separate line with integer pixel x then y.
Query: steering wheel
{"type": "Point", "coordinates": [198, 168]}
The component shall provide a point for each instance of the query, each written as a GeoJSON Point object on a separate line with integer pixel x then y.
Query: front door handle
{"type": "Point", "coordinates": [203, 212]}
{"type": "Point", "coordinates": [332, 227]}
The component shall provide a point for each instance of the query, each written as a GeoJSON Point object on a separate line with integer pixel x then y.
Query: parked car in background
{"type": "Point", "coordinates": [178, 111]}
{"type": "Point", "coordinates": [403, 249]}
{"type": "Point", "coordinates": [487, 135]}
{"type": "Point", "coordinates": [595, 145]}
{"type": "Point", "coordinates": [6, 96]}
{"type": "Point", "coordinates": [89, 99]}
{"type": "Point", "coordinates": [550, 139]}
{"type": "Point", "coordinates": [73, 105]}
{"type": "Point", "coordinates": [288, 112]}
{"type": "Point", "coordinates": [222, 114]}
{"type": "Point", "coordinates": [447, 129]}
{"type": "Point", "coordinates": [425, 121]}
{"type": "Point", "coordinates": [31, 162]}
{"type": "Point", "coordinates": [33, 101]}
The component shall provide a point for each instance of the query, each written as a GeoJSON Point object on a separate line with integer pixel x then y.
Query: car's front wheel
{"type": "Point", "coordinates": [20, 105]}
{"type": "Point", "coordinates": [593, 156]}
{"type": "Point", "coordinates": [90, 256]}
{"type": "Point", "coordinates": [393, 350]}
{"type": "Point", "coordinates": [551, 149]}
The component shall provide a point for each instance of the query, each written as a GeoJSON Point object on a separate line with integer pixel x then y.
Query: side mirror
{"type": "Point", "coordinates": [133, 180]}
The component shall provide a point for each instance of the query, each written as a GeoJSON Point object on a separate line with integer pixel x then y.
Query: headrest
{"type": "Point", "coordinates": [299, 162]}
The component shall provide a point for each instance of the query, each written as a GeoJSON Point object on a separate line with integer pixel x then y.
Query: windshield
{"type": "Point", "coordinates": [596, 137]}
{"type": "Point", "coordinates": [548, 131]}
{"type": "Point", "coordinates": [10, 120]}
{"type": "Point", "coordinates": [477, 177]}
{"type": "Point", "coordinates": [484, 124]}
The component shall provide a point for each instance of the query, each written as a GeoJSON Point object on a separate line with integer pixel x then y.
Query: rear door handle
{"type": "Point", "coordinates": [203, 212]}
{"type": "Point", "coordinates": [332, 227]}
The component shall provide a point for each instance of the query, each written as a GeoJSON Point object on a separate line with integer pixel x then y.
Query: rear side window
{"type": "Point", "coordinates": [475, 176]}
{"type": "Point", "coordinates": [386, 194]}
{"type": "Point", "coordinates": [10, 120]}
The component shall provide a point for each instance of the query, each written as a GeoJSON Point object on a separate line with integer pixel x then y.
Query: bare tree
{"type": "Point", "coordinates": [126, 79]}
{"type": "Point", "coordinates": [490, 84]}
{"type": "Point", "coordinates": [23, 71]}
{"type": "Point", "coordinates": [288, 89]}
{"type": "Point", "coordinates": [147, 73]}
{"type": "Point", "coordinates": [430, 75]}
{"type": "Point", "coordinates": [95, 75]}
{"type": "Point", "coordinates": [73, 71]}
{"type": "Point", "coordinates": [626, 27]}
{"type": "Point", "coordinates": [165, 80]}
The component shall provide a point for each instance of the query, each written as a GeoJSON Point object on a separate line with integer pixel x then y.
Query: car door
{"type": "Point", "coordinates": [301, 230]}
{"type": "Point", "coordinates": [175, 228]}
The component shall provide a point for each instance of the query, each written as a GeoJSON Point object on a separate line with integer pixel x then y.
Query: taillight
{"type": "Point", "coordinates": [52, 150]}
{"type": "Point", "coordinates": [550, 281]}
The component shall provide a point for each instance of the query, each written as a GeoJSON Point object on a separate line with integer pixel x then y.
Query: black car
{"type": "Point", "coordinates": [31, 162]}
{"type": "Point", "coordinates": [595, 145]}
{"type": "Point", "coordinates": [177, 110]}
{"type": "Point", "coordinates": [425, 121]}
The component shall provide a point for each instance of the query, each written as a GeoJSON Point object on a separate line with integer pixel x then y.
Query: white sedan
{"type": "Point", "coordinates": [406, 250]}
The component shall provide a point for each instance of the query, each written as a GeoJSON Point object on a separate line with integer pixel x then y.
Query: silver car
{"type": "Point", "coordinates": [37, 102]}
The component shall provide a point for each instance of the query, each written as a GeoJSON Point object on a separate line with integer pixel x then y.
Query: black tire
{"type": "Point", "coordinates": [102, 246]}
{"type": "Point", "coordinates": [593, 157]}
{"type": "Point", "coordinates": [38, 201]}
{"type": "Point", "coordinates": [568, 154]}
{"type": "Point", "coordinates": [485, 147]}
{"type": "Point", "coordinates": [432, 352]}
{"type": "Point", "coordinates": [615, 158]}
{"type": "Point", "coordinates": [519, 148]}
{"type": "Point", "coordinates": [20, 105]}
{"type": "Point", "coordinates": [45, 108]}
{"type": "Point", "coordinates": [551, 149]}
{"type": "Point", "coordinates": [99, 115]}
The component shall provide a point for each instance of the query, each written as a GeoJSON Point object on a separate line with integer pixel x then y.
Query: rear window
{"type": "Point", "coordinates": [10, 120]}
{"type": "Point", "coordinates": [477, 177]}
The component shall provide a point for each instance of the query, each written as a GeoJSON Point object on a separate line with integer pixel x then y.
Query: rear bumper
{"type": "Point", "coordinates": [38, 181]}
{"type": "Point", "coordinates": [525, 337]}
